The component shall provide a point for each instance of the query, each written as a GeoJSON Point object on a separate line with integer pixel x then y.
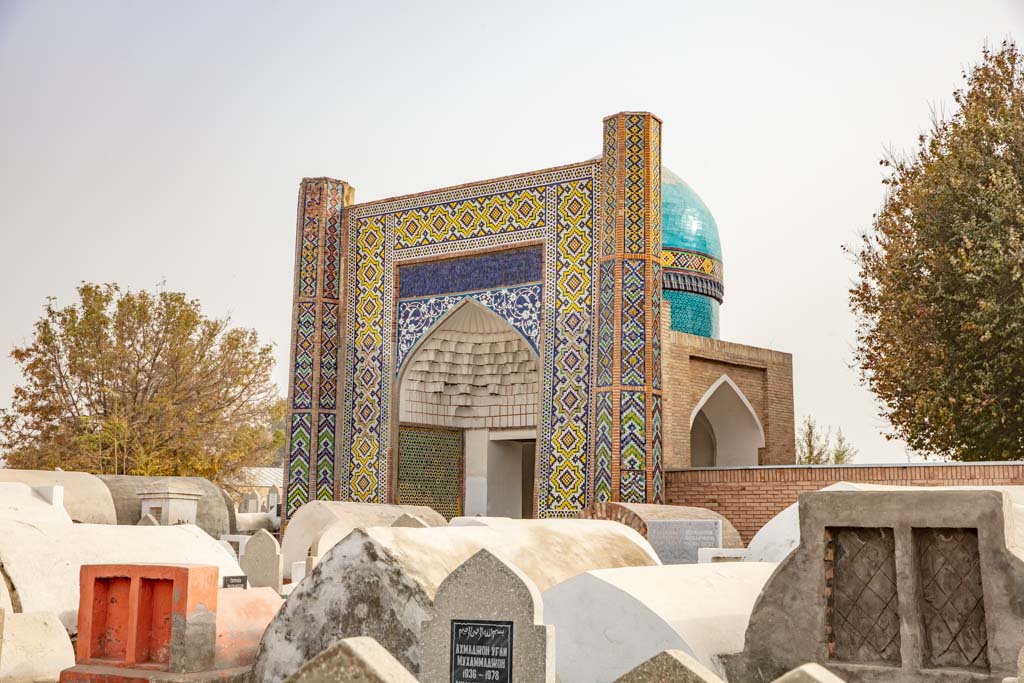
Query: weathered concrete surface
{"type": "Point", "coordinates": [637, 515]}
{"type": "Point", "coordinates": [486, 588]}
{"type": "Point", "coordinates": [33, 647]}
{"type": "Point", "coordinates": [809, 673]}
{"type": "Point", "coordinates": [242, 617]}
{"type": "Point", "coordinates": [781, 535]}
{"type": "Point", "coordinates": [671, 666]}
{"type": "Point", "coordinates": [381, 582]}
{"type": "Point", "coordinates": [354, 660]}
{"type": "Point", "coordinates": [610, 621]}
{"type": "Point", "coordinates": [261, 561]}
{"type": "Point", "coordinates": [21, 502]}
{"type": "Point", "coordinates": [86, 498]}
{"type": "Point", "coordinates": [214, 514]}
{"type": "Point", "coordinates": [43, 561]}
{"type": "Point", "coordinates": [318, 525]}
{"type": "Point", "coordinates": [791, 623]}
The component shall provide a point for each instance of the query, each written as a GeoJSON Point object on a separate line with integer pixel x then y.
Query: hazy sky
{"type": "Point", "coordinates": [143, 142]}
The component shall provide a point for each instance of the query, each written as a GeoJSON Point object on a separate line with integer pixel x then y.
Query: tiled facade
{"type": "Point", "coordinates": [570, 260]}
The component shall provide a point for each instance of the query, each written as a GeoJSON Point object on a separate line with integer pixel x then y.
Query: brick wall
{"type": "Point", "coordinates": [692, 364]}
{"type": "Point", "coordinates": [749, 497]}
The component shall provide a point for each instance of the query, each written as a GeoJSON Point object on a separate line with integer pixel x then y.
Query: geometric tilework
{"type": "Point", "coordinates": [657, 473]}
{"type": "Point", "coordinates": [655, 327]}
{"type": "Point", "coordinates": [298, 461]}
{"type": "Point", "coordinates": [325, 457]}
{"type": "Point", "coordinates": [430, 469]}
{"type": "Point", "coordinates": [603, 420]}
{"type": "Point", "coordinates": [633, 413]}
{"type": "Point", "coordinates": [634, 227]}
{"type": "Point", "coordinates": [556, 207]}
{"type": "Point", "coordinates": [518, 306]}
{"type": "Point", "coordinates": [606, 323]}
{"type": "Point", "coordinates": [693, 313]}
{"type": "Point", "coordinates": [609, 175]}
{"type": "Point", "coordinates": [332, 241]}
{"type": "Point", "coordinates": [305, 330]}
{"type": "Point", "coordinates": [634, 327]}
{"type": "Point", "coordinates": [453, 221]}
{"type": "Point", "coordinates": [693, 261]}
{"type": "Point", "coordinates": [329, 356]}
{"type": "Point", "coordinates": [310, 237]}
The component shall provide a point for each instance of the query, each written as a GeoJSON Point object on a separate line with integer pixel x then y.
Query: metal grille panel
{"type": "Point", "coordinates": [951, 601]}
{"type": "Point", "coordinates": [863, 607]}
{"type": "Point", "coordinates": [430, 469]}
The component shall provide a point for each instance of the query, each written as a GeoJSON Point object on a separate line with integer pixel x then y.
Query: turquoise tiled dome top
{"type": "Point", "coordinates": [686, 221]}
{"type": "Point", "coordinates": [691, 258]}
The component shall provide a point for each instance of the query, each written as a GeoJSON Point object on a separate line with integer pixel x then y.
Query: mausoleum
{"type": "Point", "coordinates": [522, 347]}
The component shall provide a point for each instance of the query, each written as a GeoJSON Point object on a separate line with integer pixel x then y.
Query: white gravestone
{"type": "Point", "coordinates": [261, 561]}
{"type": "Point", "coordinates": [677, 540]}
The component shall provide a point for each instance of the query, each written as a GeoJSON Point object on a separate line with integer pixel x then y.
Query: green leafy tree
{"type": "Point", "coordinates": [815, 446]}
{"type": "Point", "coordinates": [940, 293]}
{"type": "Point", "coordinates": [141, 383]}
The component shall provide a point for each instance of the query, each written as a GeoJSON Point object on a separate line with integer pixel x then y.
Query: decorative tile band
{"type": "Point", "coordinates": [301, 433]}
{"type": "Point", "coordinates": [634, 324]}
{"type": "Point", "coordinates": [325, 457]}
{"type": "Point", "coordinates": [692, 271]}
{"type": "Point", "coordinates": [518, 306]}
{"type": "Point", "coordinates": [305, 333]}
{"type": "Point", "coordinates": [491, 270]}
{"type": "Point", "coordinates": [310, 239]}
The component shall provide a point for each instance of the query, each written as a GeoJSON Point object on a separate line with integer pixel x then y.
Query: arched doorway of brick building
{"type": "Point", "coordinates": [468, 399]}
{"type": "Point", "coordinates": [724, 429]}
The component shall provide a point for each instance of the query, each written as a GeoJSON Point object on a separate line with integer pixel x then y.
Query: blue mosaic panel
{"type": "Point", "coordinates": [693, 313]}
{"type": "Point", "coordinates": [519, 306]}
{"type": "Point", "coordinates": [305, 331]}
{"type": "Point", "coordinates": [494, 270]}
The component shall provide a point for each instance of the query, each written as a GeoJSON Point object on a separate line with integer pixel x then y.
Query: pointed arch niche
{"type": "Point", "coordinates": [724, 429]}
{"type": "Point", "coordinates": [475, 378]}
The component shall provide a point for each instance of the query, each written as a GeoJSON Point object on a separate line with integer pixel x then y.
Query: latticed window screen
{"type": "Point", "coordinates": [951, 601]}
{"type": "Point", "coordinates": [863, 620]}
{"type": "Point", "coordinates": [430, 469]}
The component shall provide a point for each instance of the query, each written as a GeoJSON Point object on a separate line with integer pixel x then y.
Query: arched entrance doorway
{"type": "Point", "coordinates": [468, 397]}
{"type": "Point", "coordinates": [724, 429]}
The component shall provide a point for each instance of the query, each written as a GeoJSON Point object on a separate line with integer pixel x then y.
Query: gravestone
{"type": "Point", "coordinates": [670, 666]}
{"type": "Point", "coordinates": [360, 659]}
{"type": "Point", "coordinates": [677, 540]}
{"type": "Point", "coordinates": [148, 520]}
{"type": "Point", "coordinates": [235, 582]}
{"type": "Point", "coordinates": [250, 503]}
{"type": "Point", "coordinates": [261, 561]}
{"type": "Point", "coordinates": [410, 522]}
{"type": "Point", "coordinates": [230, 548]}
{"type": "Point", "coordinates": [487, 626]}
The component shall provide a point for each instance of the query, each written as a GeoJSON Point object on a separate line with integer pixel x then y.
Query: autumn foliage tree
{"type": "Point", "coordinates": [940, 293]}
{"type": "Point", "coordinates": [141, 383]}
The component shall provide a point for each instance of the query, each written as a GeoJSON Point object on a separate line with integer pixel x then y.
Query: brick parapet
{"type": "Point", "coordinates": [749, 497]}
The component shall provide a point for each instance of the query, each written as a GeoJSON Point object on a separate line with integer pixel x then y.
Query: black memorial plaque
{"type": "Point", "coordinates": [236, 582]}
{"type": "Point", "coordinates": [481, 651]}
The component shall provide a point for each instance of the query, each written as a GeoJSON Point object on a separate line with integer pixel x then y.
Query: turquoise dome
{"type": "Point", "coordinates": [686, 221]}
{"type": "Point", "coordinates": [691, 281]}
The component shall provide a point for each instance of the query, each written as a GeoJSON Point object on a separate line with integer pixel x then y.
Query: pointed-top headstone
{"type": "Point", "coordinates": [353, 659]}
{"type": "Point", "coordinates": [670, 666]}
{"type": "Point", "coordinates": [148, 520]}
{"type": "Point", "coordinates": [261, 561]}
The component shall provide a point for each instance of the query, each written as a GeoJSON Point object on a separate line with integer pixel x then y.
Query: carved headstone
{"type": "Point", "coordinates": [353, 659]}
{"type": "Point", "coordinates": [261, 561]}
{"type": "Point", "coordinates": [488, 625]}
{"type": "Point", "coordinates": [670, 666]}
{"type": "Point", "coordinates": [677, 540]}
{"type": "Point", "coordinates": [250, 503]}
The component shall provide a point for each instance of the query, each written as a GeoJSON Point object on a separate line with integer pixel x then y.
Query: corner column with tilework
{"type": "Point", "coordinates": [319, 290]}
{"type": "Point", "coordinates": [628, 401]}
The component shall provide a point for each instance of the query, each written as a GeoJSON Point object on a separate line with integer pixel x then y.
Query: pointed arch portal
{"type": "Point", "coordinates": [724, 429]}
{"type": "Point", "coordinates": [468, 399]}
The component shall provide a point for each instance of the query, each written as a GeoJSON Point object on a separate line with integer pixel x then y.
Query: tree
{"type": "Point", "coordinates": [939, 297]}
{"type": "Point", "coordinates": [141, 383]}
{"type": "Point", "coordinates": [814, 447]}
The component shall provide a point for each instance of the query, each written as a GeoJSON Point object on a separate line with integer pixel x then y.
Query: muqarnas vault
{"type": "Point", "coordinates": [497, 348]}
